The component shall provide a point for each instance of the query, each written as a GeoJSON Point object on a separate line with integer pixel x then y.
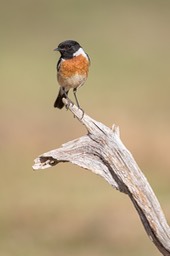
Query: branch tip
{"type": "Point", "coordinates": [116, 129]}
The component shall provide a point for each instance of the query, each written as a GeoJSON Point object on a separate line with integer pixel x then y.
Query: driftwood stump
{"type": "Point", "coordinates": [102, 152]}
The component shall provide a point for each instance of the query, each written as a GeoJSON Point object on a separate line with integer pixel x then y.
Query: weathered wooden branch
{"type": "Point", "coordinates": [102, 152]}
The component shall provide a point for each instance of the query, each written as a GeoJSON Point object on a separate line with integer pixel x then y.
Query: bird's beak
{"type": "Point", "coordinates": [56, 49]}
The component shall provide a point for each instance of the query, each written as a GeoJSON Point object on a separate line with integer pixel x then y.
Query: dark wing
{"type": "Point", "coordinates": [88, 58]}
{"type": "Point", "coordinates": [58, 64]}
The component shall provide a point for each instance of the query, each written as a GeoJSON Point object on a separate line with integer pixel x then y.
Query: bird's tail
{"type": "Point", "coordinates": [58, 102]}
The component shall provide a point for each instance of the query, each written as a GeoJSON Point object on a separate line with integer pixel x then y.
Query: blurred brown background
{"type": "Point", "coordinates": [66, 210]}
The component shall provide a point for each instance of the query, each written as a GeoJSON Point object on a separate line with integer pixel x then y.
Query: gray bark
{"type": "Point", "coordinates": [103, 152]}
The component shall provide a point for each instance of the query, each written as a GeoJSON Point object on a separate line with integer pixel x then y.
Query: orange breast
{"type": "Point", "coordinates": [78, 65]}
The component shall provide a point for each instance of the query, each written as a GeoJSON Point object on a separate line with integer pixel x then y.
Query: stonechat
{"type": "Point", "coordinates": [72, 70]}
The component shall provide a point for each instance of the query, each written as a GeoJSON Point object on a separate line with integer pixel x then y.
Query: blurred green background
{"type": "Point", "coordinates": [66, 210]}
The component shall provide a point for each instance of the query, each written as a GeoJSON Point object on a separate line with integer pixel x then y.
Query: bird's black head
{"type": "Point", "coordinates": [68, 48]}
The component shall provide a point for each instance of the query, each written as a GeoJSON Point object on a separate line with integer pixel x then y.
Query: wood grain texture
{"type": "Point", "coordinates": [103, 152]}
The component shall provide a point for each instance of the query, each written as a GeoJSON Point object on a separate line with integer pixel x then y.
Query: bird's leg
{"type": "Point", "coordinates": [64, 93]}
{"type": "Point", "coordinates": [74, 91]}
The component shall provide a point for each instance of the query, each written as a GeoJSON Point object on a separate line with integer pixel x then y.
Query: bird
{"type": "Point", "coordinates": [72, 70]}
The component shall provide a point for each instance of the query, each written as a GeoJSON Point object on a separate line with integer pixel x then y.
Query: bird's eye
{"type": "Point", "coordinates": [67, 47]}
{"type": "Point", "coordinates": [64, 47]}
